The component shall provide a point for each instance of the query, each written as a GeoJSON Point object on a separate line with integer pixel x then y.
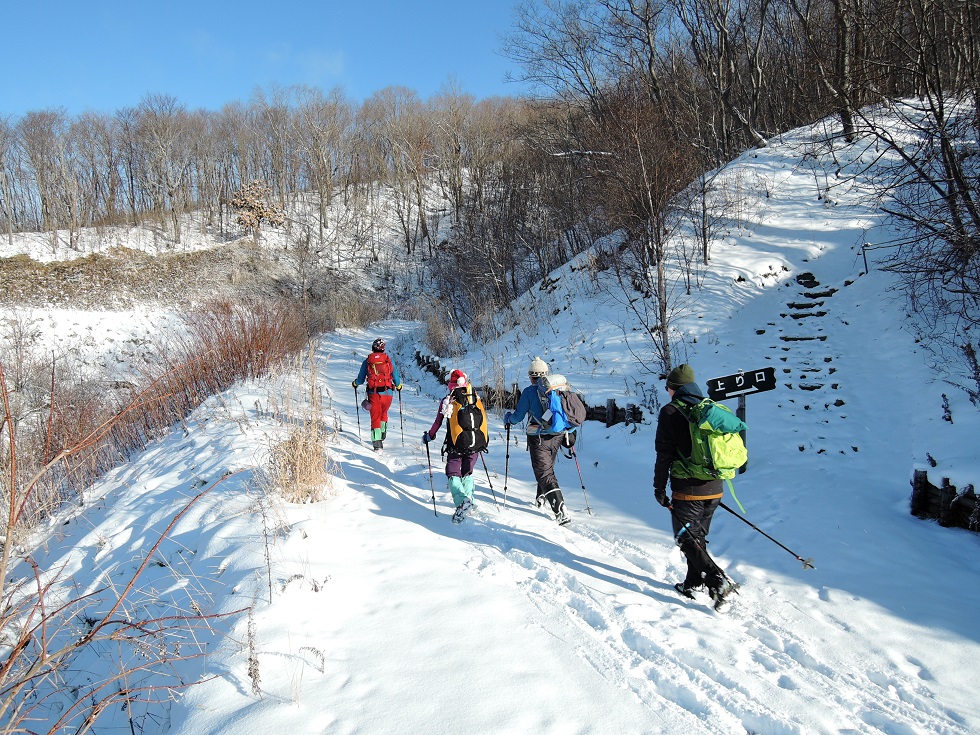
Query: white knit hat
{"type": "Point", "coordinates": [539, 368]}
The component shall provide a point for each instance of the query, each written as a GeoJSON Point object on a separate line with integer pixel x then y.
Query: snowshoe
{"type": "Point", "coordinates": [720, 595]}
{"type": "Point", "coordinates": [462, 510]}
{"type": "Point", "coordinates": [688, 592]}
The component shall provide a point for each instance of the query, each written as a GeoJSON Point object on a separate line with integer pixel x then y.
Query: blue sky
{"type": "Point", "coordinates": [107, 54]}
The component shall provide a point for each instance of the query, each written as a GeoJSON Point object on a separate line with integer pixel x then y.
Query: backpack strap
{"type": "Point", "coordinates": [731, 489]}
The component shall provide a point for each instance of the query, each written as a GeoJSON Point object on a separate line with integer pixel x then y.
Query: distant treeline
{"type": "Point", "coordinates": [641, 102]}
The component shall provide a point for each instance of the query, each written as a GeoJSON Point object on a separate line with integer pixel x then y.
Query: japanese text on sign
{"type": "Point", "coordinates": [742, 383]}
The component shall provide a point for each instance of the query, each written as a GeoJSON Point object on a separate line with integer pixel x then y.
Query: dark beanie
{"type": "Point", "coordinates": [680, 375]}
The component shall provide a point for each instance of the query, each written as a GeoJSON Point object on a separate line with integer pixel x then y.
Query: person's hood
{"type": "Point", "coordinates": [689, 393]}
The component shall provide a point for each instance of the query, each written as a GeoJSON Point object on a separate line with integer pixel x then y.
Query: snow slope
{"type": "Point", "coordinates": [374, 614]}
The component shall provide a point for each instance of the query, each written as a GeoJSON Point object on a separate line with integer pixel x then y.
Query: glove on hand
{"type": "Point", "coordinates": [508, 416]}
{"type": "Point", "coordinates": [399, 387]}
{"type": "Point", "coordinates": [661, 496]}
{"type": "Point", "coordinates": [426, 438]}
{"type": "Point", "coordinates": [354, 383]}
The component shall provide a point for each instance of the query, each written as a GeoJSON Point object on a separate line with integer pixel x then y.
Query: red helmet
{"type": "Point", "coordinates": [458, 379]}
{"type": "Point", "coordinates": [378, 345]}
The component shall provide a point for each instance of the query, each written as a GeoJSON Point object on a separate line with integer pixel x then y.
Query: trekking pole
{"type": "Point", "coordinates": [807, 563]}
{"type": "Point", "coordinates": [506, 464]}
{"type": "Point", "coordinates": [487, 470]}
{"type": "Point", "coordinates": [357, 410]}
{"type": "Point", "coordinates": [581, 479]}
{"type": "Point", "coordinates": [400, 419]}
{"type": "Point", "coordinates": [431, 484]}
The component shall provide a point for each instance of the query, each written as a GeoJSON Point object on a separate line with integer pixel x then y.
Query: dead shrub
{"type": "Point", "coordinates": [341, 307]}
{"type": "Point", "coordinates": [148, 647]}
{"type": "Point", "coordinates": [67, 429]}
{"type": "Point", "coordinates": [442, 334]}
{"type": "Point", "coordinates": [240, 340]}
{"type": "Point", "coordinates": [354, 310]}
{"type": "Point", "coordinates": [299, 467]}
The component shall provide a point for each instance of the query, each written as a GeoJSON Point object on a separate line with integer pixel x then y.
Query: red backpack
{"type": "Point", "coordinates": [379, 371]}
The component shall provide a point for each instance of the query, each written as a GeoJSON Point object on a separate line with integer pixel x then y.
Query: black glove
{"type": "Point", "coordinates": [426, 438]}
{"type": "Point", "coordinates": [661, 496]}
{"type": "Point", "coordinates": [354, 383]}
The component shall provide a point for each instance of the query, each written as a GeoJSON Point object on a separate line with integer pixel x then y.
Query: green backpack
{"type": "Point", "coordinates": [717, 449]}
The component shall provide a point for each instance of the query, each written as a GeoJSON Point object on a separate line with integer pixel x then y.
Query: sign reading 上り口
{"type": "Point", "coordinates": [742, 383]}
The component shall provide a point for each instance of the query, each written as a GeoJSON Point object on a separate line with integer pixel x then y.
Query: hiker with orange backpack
{"type": "Point", "coordinates": [466, 437]}
{"type": "Point", "coordinates": [380, 374]}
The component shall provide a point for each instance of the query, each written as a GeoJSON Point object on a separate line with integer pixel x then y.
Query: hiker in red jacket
{"type": "Point", "coordinates": [380, 374]}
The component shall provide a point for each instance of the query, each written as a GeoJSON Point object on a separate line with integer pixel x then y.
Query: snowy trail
{"type": "Point", "coordinates": [782, 660]}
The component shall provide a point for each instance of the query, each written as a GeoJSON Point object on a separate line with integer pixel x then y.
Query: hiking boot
{"type": "Point", "coordinates": [562, 517]}
{"type": "Point", "coordinates": [688, 592]}
{"type": "Point", "coordinates": [720, 594]}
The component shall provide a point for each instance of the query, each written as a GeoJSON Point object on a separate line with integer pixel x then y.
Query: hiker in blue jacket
{"type": "Point", "coordinates": [693, 502]}
{"type": "Point", "coordinates": [543, 442]}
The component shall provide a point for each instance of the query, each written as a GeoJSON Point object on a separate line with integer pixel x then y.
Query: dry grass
{"type": "Point", "coordinates": [300, 469]}
{"type": "Point", "coordinates": [443, 335]}
{"type": "Point", "coordinates": [145, 641]}
{"type": "Point", "coordinates": [58, 434]}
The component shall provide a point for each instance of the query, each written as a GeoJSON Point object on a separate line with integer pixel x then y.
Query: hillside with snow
{"type": "Point", "coordinates": [371, 613]}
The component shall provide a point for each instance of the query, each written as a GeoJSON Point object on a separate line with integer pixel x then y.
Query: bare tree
{"type": "Point", "coordinates": [163, 136]}
{"type": "Point", "coordinates": [728, 40]}
{"type": "Point", "coordinates": [398, 140]}
{"type": "Point", "coordinates": [561, 47]}
{"type": "Point", "coordinates": [277, 157]}
{"type": "Point", "coordinates": [451, 112]}
{"type": "Point", "coordinates": [43, 136]}
{"type": "Point", "coordinates": [323, 134]}
{"type": "Point", "coordinates": [8, 138]}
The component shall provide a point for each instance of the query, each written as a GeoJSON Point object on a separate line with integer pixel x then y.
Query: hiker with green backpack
{"type": "Point", "coordinates": [698, 449]}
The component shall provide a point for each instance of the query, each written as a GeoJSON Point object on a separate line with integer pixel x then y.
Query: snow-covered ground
{"type": "Point", "coordinates": [384, 617]}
